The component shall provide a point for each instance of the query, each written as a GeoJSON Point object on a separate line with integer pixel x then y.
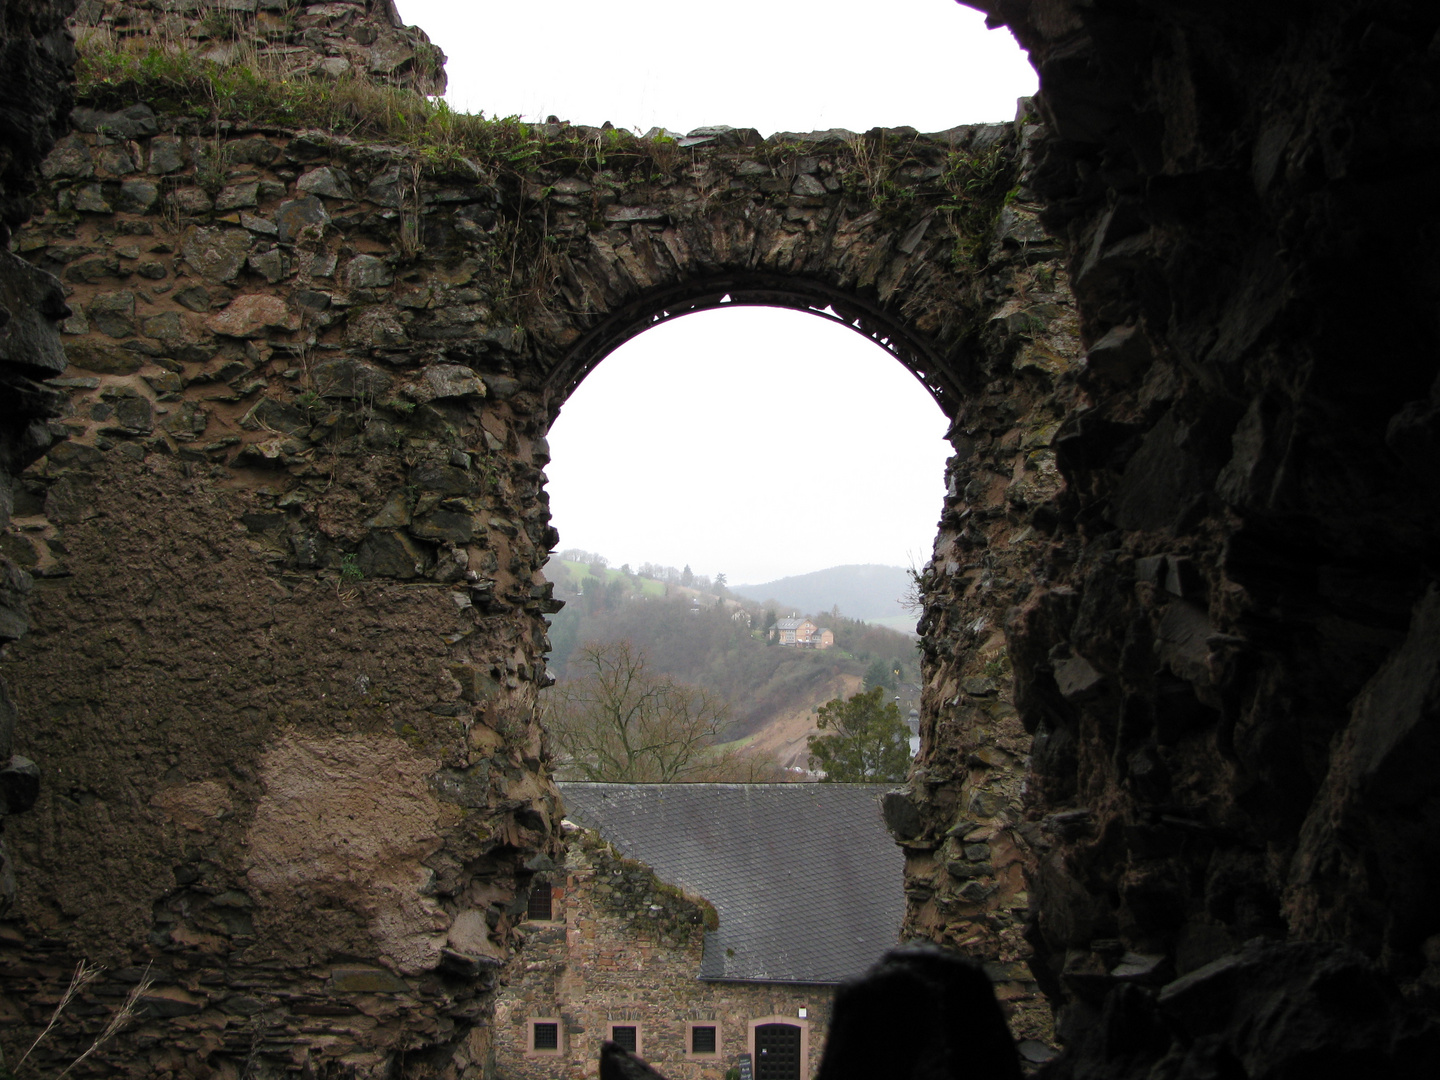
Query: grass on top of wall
{"type": "Point", "coordinates": [178, 82]}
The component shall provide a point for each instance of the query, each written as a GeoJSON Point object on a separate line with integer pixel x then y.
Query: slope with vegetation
{"type": "Point", "coordinates": [719, 644]}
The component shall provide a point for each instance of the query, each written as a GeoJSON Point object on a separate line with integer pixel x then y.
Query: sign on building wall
{"type": "Point", "coordinates": [746, 1073]}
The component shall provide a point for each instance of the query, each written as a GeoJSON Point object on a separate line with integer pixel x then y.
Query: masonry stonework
{"type": "Point", "coordinates": [336, 39]}
{"type": "Point", "coordinates": [289, 544]}
{"type": "Point", "coordinates": [626, 948]}
{"type": "Point", "coordinates": [1180, 629]}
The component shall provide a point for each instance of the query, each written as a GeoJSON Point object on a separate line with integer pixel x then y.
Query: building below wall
{"type": "Point", "coordinates": [696, 923]}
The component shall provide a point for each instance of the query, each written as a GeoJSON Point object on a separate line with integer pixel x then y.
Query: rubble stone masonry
{"type": "Point", "coordinates": [287, 515]}
{"type": "Point", "coordinates": [288, 615]}
{"type": "Point", "coordinates": [625, 948]}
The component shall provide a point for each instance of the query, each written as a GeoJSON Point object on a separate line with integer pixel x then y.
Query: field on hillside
{"type": "Point", "coordinates": [568, 574]}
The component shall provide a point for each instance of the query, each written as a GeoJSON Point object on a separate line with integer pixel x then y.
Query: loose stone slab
{"type": "Point", "coordinates": [251, 316]}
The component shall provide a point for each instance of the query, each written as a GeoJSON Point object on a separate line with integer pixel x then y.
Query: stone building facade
{"type": "Point", "coordinates": [625, 949]}
{"type": "Point", "coordinates": [705, 922]}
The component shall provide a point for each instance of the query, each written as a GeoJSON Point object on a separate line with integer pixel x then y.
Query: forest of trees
{"type": "Point", "coordinates": [710, 642]}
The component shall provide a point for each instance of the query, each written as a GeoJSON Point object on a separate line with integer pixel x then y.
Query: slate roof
{"type": "Point", "coordinates": [805, 879]}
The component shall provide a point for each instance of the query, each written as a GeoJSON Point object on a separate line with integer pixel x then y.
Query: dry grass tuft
{"type": "Point", "coordinates": [176, 80]}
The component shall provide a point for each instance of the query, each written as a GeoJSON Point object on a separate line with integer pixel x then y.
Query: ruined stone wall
{"type": "Point", "coordinates": [1223, 635]}
{"type": "Point", "coordinates": [626, 947]}
{"type": "Point", "coordinates": [310, 619]}
{"type": "Point", "coordinates": [35, 57]}
{"type": "Point", "coordinates": [961, 820]}
{"type": "Point", "coordinates": [289, 551]}
{"type": "Point", "coordinates": [338, 39]}
{"type": "Point", "coordinates": [1227, 665]}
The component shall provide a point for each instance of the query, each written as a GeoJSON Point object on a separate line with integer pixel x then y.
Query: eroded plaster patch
{"type": "Point", "coordinates": [351, 817]}
{"type": "Point", "coordinates": [194, 806]}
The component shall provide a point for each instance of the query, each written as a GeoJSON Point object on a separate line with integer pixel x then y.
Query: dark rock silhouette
{"type": "Point", "coordinates": [1272, 1010]}
{"type": "Point", "coordinates": [35, 98]}
{"type": "Point", "coordinates": [617, 1063]}
{"type": "Point", "coordinates": [919, 1014]}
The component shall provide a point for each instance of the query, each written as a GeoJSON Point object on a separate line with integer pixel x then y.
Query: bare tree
{"type": "Point", "coordinates": [616, 722]}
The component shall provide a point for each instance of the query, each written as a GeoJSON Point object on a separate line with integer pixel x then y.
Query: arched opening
{"type": "Point", "coordinates": [739, 290]}
{"type": "Point", "coordinates": [792, 468]}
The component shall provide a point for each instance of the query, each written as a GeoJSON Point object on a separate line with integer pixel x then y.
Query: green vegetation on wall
{"type": "Point", "coordinates": [879, 167]}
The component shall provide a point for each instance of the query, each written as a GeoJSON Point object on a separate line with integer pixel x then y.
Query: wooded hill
{"type": "Point", "coordinates": [880, 595]}
{"type": "Point", "coordinates": [718, 642]}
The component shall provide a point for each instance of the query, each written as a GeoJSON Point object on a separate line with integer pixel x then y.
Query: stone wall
{"type": "Point", "coordinates": [338, 39]}
{"type": "Point", "coordinates": [961, 819]}
{"type": "Point", "coordinates": [289, 550]}
{"type": "Point", "coordinates": [35, 57]}
{"type": "Point", "coordinates": [626, 947]}
{"type": "Point", "coordinates": [1227, 663]}
{"type": "Point", "coordinates": [1210, 546]}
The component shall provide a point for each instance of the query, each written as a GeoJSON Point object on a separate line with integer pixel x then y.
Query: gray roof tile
{"type": "Point", "coordinates": [804, 877]}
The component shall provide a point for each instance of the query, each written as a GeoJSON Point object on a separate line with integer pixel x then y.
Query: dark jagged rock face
{"type": "Point", "coordinates": [35, 59]}
{"type": "Point", "coordinates": [1231, 677]}
{"type": "Point", "coordinates": [36, 56]}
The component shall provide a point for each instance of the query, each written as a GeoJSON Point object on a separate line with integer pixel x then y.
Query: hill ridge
{"type": "Point", "coordinates": [866, 591]}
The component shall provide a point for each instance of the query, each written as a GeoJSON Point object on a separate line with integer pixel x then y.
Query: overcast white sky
{"type": "Point", "coordinates": [755, 443]}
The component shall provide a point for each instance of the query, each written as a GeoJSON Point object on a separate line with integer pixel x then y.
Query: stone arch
{"type": "Point", "coordinates": [887, 233]}
{"type": "Point", "coordinates": [661, 305]}
{"type": "Point", "coordinates": [309, 408]}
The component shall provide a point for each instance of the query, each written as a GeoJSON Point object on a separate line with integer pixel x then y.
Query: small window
{"type": "Point", "coordinates": [541, 905]}
{"type": "Point", "coordinates": [546, 1035]}
{"type": "Point", "coordinates": [627, 1036]}
{"type": "Point", "coordinates": [702, 1039]}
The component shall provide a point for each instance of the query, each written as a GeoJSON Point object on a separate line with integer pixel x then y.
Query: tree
{"type": "Point", "coordinates": [720, 584]}
{"type": "Point", "coordinates": [687, 576]}
{"type": "Point", "coordinates": [879, 674]}
{"type": "Point", "coordinates": [617, 723]}
{"type": "Point", "coordinates": [867, 743]}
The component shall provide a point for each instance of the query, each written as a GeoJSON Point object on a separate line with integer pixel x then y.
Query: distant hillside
{"type": "Point", "coordinates": [868, 592]}
{"type": "Point", "coordinates": [719, 642]}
